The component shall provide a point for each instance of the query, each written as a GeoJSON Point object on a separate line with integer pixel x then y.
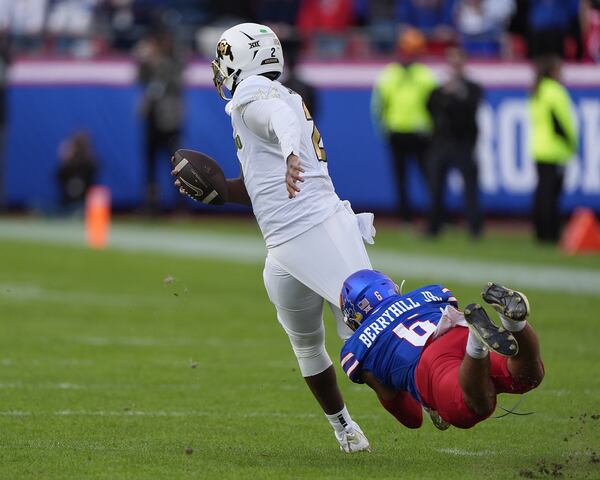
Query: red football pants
{"type": "Point", "coordinates": [436, 377]}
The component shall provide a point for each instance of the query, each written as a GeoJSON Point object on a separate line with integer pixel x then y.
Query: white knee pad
{"type": "Point", "coordinates": [309, 349]}
{"type": "Point", "coordinates": [300, 313]}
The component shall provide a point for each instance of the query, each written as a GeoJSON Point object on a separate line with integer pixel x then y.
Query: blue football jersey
{"type": "Point", "coordinates": [390, 340]}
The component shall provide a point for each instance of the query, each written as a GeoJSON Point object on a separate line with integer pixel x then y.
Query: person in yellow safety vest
{"type": "Point", "coordinates": [399, 108]}
{"type": "Point", "coordinates": [553, 144]}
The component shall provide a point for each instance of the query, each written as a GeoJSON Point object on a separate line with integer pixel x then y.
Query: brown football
{"type": "Point", "coordinates": [200, 176]}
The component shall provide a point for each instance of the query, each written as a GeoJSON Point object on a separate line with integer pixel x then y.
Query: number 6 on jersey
{"type": "Point", "coordinates": [414, 337]}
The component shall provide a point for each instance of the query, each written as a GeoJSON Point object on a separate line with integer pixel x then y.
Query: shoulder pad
{"type": "Point", "coordinates": [253, 88]}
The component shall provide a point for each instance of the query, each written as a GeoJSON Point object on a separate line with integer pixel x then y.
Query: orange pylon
{"type": "Point", "coordinates": [97, 216]}
{"type": "Point", "coordinates": [582, 233]}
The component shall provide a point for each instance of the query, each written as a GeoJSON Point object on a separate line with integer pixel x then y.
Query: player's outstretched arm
{"type": "Point", "coordinates": [399, 403]}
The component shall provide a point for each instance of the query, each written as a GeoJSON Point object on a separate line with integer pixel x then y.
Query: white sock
{"type": "Point", "coordinates": [340, 420]}
{"type": "Point", "coordinates": [475, 347]}
{"type": "Point", "coordinates": [512, 325]}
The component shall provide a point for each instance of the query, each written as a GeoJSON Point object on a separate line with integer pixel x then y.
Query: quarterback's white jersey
{"type": "Point", "coordinates": [269, 123]}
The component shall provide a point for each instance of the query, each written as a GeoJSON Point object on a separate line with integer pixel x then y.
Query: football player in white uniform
{"type": "Point", "coordinates": [314, 240]}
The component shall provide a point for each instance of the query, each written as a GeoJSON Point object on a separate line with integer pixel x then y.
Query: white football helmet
{"type": "Point", "coordinates": [244, 50]}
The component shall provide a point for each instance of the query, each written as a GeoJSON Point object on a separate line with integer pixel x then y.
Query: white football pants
{"type": "Point", "coordinates": [302, 272]}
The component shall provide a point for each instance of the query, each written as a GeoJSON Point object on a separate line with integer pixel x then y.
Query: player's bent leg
{"type": "Point", "coordinates": [316, 367]}
{"type": "Point", "coordinates": [405, 409]}
{"type": "Point", "coordinates": [525, 369]}
{"type": "Point", "coordinates": [322, 382]}
{"type": "Point", "coordinates": [462, 405]}
{"type": "Point", "coordinates": [309, 348]}
{"type": "Point", "coordinates": [478, 390]}
{"type": "Point", "coordinates": [323, 386]}
{"type": "Point", "coordinates": [474, 377]}
{"type": "Point", "coordinates": [347, 432]}
{"type": "Point", "coordinates": [438, 379]}
{"type": "Point", "coordinates": [300, 311]}
{"type": "Point", "coordinates": [400, 403]}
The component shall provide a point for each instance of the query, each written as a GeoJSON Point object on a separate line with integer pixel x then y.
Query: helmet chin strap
{"type": "Point", "coordinates": [234, 77]}
{"type": "Point", "coordinates": [222, 93]}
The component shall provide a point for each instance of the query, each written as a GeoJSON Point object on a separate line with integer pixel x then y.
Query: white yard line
{"type": "Point", "coordinates": [251, 250]}
{"type": "Point", "coordinates": [30, 292]}
{"type": "Point", "coordinates": [135, 386]}
{"type": "Point", "coordinates": [134, 341]}
{"type": "Point", "coordinates": [466, 453]}
{"type": "Point", "coordinates": [157, 413]}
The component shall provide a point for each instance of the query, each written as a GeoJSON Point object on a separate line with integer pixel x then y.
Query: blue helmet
{"type": "Point", "coordinates": [362, 292]}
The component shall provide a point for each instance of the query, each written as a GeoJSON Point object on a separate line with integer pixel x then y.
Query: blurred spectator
{"type": "Point", "coordinates": [6, 7]}
{"type": "Point", "coordinates": [117, 18]}
{"type": "Point", "coordinates": [399, 108]}
{"type": "Point", "coordinates": [518, 31]}
{"type": "Point", "coordinates": [127, 21]}
{"type": "Point", "coordinates": [549, 22]}
{"type": "Point", "coordinates": [277, 11]}
{"type": "Point", "coordinates": [434, 18]}
{"type": "Point", "coordinates": [482, 25]}
{"type": "Point", "coordinates": [290, 78]}
{"type": "Point", "coordinates": [379, 20]}
{"type": "Point", "coordinates": [453, 108]}
{"type": "Point", "coordinates": [77, 170]}
{"type": "Point", "coordinates": [160, 74]}
{"type": "Point", "coordinates": [590, 14]}
{"type": "Point", "coordinates": [325, 22]}
{"type": "Point", "coordinates": [25, 20]}
{"type": "Point", "coordinates": [182, 18]}
{"type": "Point", "coordinates": [191, 12]}
{"type": "Point", "coordinates": [4, 63]}
{"type": "Point", "coordinates": [575, 31]}
{"type": "Point", "coordinates": [234, 11]}
{"type": "Point", "coordinates": [70, 22]}
{"type": "Point", "coordinates": [553, 143]}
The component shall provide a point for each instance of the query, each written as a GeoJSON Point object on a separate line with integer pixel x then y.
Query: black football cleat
{"type": "Point", "coordinates": [510, 303]}
{"type": "Point", "coordinates": [497, 339]}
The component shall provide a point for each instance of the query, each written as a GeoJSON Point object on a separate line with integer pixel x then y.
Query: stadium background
{"type": "Point", "coordinates": [72, 69]}
{"type": "Point", "coordinates": [160, 355]}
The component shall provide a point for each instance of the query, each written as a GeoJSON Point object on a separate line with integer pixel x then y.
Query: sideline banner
{"type": "Point", "coordinates": [49, 100]}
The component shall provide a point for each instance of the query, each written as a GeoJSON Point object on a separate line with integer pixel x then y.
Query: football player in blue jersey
{"type": "Point", "coordinates": [419, 350]}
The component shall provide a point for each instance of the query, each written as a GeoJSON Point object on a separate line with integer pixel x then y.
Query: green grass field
{"type": "Point", "coordinates": [113, 363]}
